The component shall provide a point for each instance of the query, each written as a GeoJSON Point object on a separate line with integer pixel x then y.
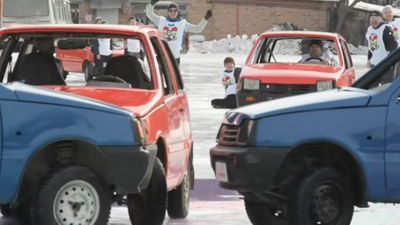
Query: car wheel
{"type": "Point", "coordinates": [73, 195]}
{"type": "Point", "coordinates": [5, 210]}
{"type": "Point", "coordinates": [148, 207]}
{"type": "Point", "coordinates": [261, 213]}
{"type": "Point", "coordinates": [179, 199]}
{"type": "Point", "coordinates": [23, 213]}
{"type": "Point", "coordinates": [323, 197]}
{"type": "Point", "coordinates": [87, 70]}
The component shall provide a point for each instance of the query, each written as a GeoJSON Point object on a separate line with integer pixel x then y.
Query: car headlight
{"type": "Point", "coordinates": [251, 84]}
{"type": "Point", "coordinates": [324, 85]}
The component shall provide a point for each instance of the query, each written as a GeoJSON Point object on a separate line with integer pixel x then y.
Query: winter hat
{"type": "Point", "coordinates": [376, 13]}
{"type": "Point", "coordinates": [316, 42]}
{"type": "Point", "coordinates": [387, 8]}
{"type": "Point", "coordinates": [229, 60]}
{"type": "Point", "coordinates": [173, 6]}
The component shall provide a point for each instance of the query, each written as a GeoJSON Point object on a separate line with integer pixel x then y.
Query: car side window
{"type": "Point", "coordinates": [165, 76]}
{"type": "Point", "coordinates": [261, 54]}
{"type": "Point", "coordinates": [174, 66]}
{"type": "Point", "coordinates": [346, 55]}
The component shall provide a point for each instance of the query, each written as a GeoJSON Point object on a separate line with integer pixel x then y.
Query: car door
{"type": "Point", "coordinates": [349, 74]}
{"type": "Point", "coordinates": [183, 102]}
{"type": "Point", "coordinates": [175, 135]}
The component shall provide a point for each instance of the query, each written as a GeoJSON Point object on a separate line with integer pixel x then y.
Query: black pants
{"type": "Point", "coordinates": [228, 102]}
{"type": "Point", "coordinates": [178, 61]}
{"type": "Point", "coordinates": [101, 63]}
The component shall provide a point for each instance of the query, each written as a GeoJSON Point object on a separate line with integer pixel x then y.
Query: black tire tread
{"type": "Point", "coordinates": [149, 206]}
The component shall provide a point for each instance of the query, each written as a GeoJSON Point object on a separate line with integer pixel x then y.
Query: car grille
{"type": "Point", "coordinates": [232, 135]}
{"type": "Point", "coordinates": [287, 89]}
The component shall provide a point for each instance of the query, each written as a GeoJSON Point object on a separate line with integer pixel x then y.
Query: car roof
{"type": "Point", "coordinates": [79, 28]}
{"type": "Point", "coordinates": [301, 34]}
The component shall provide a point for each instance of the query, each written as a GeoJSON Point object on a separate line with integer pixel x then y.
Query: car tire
{"type": "Point", "coordinates": [23, 213]}
{"type": "Point", "coordinates": [87, 70]}
{"type": "Point", "coordinates": [260, 213]}
{"type": "Point", "coordinates": [179, 199]}
{"type": "Point", "coordinates": [322, 197]}
{"type": "Point", "coordinates": [5, 210]}
{"type": "Point", "coordinates": [149, 206]}
{"type": "Point", "coordinates": [73, 195]}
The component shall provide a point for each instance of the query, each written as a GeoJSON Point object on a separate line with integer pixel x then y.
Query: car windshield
{"type": "Point", "coordinates": [298, 50]}
{"type": "Point", "coordinates": [25, 8]}
{"type": "Point", "coordinates": [77, 60]}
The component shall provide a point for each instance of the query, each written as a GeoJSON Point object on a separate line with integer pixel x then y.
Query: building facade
{"type": "Point", "coordinates": [113, 11]}
{"type": "Point", "coordinates": [249, 17]}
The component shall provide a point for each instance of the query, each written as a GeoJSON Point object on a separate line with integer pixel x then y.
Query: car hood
{"type": "Point", "coordinates": [137, 101]}
{"type": "Point", "coordinates": [334, 99]}
{"type": "Point", "coordinates": [36, 94]}
{"type": "Point", "coordinates": [291, 73]}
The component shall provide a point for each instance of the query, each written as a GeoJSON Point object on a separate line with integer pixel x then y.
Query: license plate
{"type": "Point", "coordinates": [221, 172]}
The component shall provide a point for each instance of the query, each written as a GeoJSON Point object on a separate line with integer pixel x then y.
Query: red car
{"type": "Point", "coordinates": [288, 63]}
{"type": "Point", "coordinates": [149, 87]}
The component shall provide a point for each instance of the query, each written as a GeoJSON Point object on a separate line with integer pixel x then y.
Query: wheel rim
{"type": "Point", "coordinates": [76, 203]}
{"type": "Point", "coordinates": [326, 204]}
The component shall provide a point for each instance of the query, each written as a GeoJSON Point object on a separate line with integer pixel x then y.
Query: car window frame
{"type": "Point", "coordinates": [175, 68]}
{"type": "Point", "coordinates": [346, 54]}
{"type": "Point", "coordinates": [163, 64]}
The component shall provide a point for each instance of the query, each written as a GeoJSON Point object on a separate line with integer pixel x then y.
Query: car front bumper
{"type": "Point", "coordinates": [248, 169]}
{"type": "Point", "coordinates": [129, 168]}
{"type": "Point", "coordinates": [268, 92]}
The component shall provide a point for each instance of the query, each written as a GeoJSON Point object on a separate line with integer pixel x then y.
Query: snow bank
{"type": "Point", "coordinates": [243, 44]}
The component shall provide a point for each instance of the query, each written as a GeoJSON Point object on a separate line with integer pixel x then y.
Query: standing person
{"type": "Point", "coordinates": [230, 78]}
{"type": "Point", "coordinates": [133, 46]}
{"type": "Point", "coordinates": [102, 52]}
{"type": "Point", "coordinates": [174, 26]}
{"type": "Point", "coordinates": [381, 40]}
{"type": "Point", "coordinates": [388, 16]}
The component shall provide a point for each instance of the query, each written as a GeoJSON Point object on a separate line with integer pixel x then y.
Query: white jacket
{"type": "Point", "coordinates": [174, 30]}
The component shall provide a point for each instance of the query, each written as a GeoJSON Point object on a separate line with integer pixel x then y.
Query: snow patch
{"type": "Point", "coordinates": [242, 44]}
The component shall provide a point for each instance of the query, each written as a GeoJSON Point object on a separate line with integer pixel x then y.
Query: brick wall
{"type": "Point", "coordinates": [240, 18]}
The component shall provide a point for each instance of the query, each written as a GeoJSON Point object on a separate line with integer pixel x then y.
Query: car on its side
{"type": "Point", "coordinates": [280, 65]}
{"type": "Point", "coordinates": [149, 89]}
{"type": "Point", "coordinates": [309, 159]}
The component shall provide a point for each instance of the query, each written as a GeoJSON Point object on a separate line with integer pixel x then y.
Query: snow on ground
{"type": "Point", "coordinates": [242, 44]}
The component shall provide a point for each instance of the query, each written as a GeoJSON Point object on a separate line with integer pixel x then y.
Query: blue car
{"type": "Point", "coordinates": [66, 158]}
{"type": "Point", "coordinates": [311, 158]}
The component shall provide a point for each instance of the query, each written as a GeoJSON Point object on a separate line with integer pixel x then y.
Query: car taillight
{"type": "Point", "coordinates": [140, 130]}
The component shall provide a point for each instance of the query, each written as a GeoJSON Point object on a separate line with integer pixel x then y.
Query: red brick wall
{"type": "Point", "coordinates": [257, 18]}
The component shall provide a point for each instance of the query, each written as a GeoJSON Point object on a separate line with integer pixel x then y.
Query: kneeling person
{"type": "Point", "coordinates": [230, 78]}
